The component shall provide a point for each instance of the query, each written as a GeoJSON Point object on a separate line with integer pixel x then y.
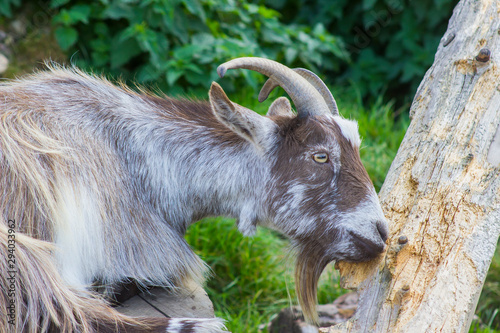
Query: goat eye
{"type": "Point", "coordinates": [320, 157]}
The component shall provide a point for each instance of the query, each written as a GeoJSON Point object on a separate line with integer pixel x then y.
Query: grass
{"type": "Point", "coordinates": [488, 309]}
{"type": "Point", "coordinates": [250, 281]}
{"type": "Point", "coordinates": [252, 276]}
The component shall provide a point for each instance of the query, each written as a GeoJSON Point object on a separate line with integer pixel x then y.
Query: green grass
{"type": "Point", "coordinates": [488, 309]}
{"type": "Point", "coordinates": [252, 277]}
{"type": "Point", "coordinates": [480, 327]}
{"type": "Point", "coordinates": [249, 282]}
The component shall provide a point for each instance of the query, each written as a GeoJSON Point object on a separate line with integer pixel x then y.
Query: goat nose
{"type": "Point", "coordinates": [382, 229]}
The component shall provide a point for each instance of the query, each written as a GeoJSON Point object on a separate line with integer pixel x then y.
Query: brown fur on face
{"type": "Point", "coordinates": [341, 183]}
{"type": "Point", "coordinates": [328, 191]}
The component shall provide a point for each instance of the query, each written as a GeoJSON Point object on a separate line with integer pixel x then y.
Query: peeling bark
{"type": "Point", "coordinates": [442, 192]}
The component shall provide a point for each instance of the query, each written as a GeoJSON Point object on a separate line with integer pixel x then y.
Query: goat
{"type": "Point", "coordinates": [114, 177]}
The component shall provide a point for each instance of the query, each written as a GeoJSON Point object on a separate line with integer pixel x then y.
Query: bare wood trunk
{"type": "Point", "coordinates": [442, 193]}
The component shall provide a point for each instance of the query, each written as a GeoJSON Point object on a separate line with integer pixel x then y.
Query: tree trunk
{"type": "Point", "coordinates": [442, 192]}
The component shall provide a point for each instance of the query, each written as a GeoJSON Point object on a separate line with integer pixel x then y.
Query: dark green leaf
{"type": "Point", "coordinates": [368, 4]}
{"type": "Point", "coordinates": [66, 37]}
{"type": "Point", "coordinates": [147, 73]}
{"type": "Point", "coordinates": [195, 8]}
{"type": "Point", "coordinates": [173, 74]}
{"type": "Point", "coordinates": [119, 10]}
{"type": "Point", "coordinates": [5, 8]}
{"type": "Point", "coordinates": [122, 51]}
{"type": "Point", "coordinates": [79, 13]}
{"type": "Point", "coordinates": [58, 3]}
{"type": "Point", "coordinates": [100, 59]}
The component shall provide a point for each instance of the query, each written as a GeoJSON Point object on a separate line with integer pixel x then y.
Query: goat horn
{"type": "Point", "coordinates": [307, 99]}
{"type": "Point", "coordinates": [313, 79]}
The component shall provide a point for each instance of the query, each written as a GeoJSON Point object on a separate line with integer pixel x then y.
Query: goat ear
{"type": "Point", "coordinates": [244, 122]}
{"type": "Point", "coordinates": [281, 107]}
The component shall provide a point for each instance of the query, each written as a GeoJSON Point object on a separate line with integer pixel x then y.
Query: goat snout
{"type": "Point", "coordinates": [370, 243]}
{"type": "Point", "coordinates": [370, 247]}
{"type": "Point", "coordinates": [382, 229]}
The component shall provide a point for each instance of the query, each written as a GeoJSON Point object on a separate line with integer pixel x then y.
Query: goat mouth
{"type": "Point", "coordinates": [312, 260]}
{"type": "Point", "coordinates": [368, 248]}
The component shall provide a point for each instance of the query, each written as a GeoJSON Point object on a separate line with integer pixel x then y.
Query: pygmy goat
{"type": "Point", "coordinates": [113, 178]}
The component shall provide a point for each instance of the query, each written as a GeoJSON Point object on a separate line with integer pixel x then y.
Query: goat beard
{"type": "Point", "coordinates": [311, 262]}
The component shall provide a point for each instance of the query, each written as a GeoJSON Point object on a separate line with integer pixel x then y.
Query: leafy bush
{"type": "Point", "coordinates": [387, 44]}
{"type": "Point", "coordinates": [391, 42]}
{"type": "Point", "coordinates": [6, 7]}
{"type": "Point", "coordinates": [179, 43]}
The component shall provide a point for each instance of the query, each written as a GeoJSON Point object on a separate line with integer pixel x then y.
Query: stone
{"type": "Point", "coordinates": [291, 320]}
{"type": "Point", "coordinates": [4, 63]}
{"type": "Point", "coordinates": [18, 28]}
{"type": "Point", "coordinates": [159, 302]}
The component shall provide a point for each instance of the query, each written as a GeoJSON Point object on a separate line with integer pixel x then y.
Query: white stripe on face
{"type": "Point", "coordinates": [349, 130]}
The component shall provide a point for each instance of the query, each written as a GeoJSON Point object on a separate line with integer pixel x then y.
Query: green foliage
{"type": "Point", "coordinates": [478, 327]}
{"type": "Point", "coordinates": [391, 42]}
{"type": "Point", "coordinates": [388, 44]}
{"type": "Point", "coordinates": [6, 7]}
{"type": "Point", "coordinates": [179, 43]}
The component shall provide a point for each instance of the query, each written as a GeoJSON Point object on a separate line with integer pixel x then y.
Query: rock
{"type": "Point", "coordinates": [285, 322]}
{"type": "Point", "coordinates": [18, 28]}
{"type": "Point", "coordinates": [5, 44]}
{"type": "Point", "coordinates": [347, 305]}
{"type": "Point", "coordinates": [3, 36]}
{"type": "Point", "coordinates": [291, 320]}
{"type": "Point", "coordinates": [158, 302]}
{"type": "Point", "coordinates": [4, 63]}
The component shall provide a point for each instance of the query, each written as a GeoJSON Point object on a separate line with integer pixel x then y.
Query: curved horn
{"type": "Point", "coordinates": [266, 89]}
{"type": "Point", "coordinates": [312, 79]}
{"type": "Point", "coordinates": [308, 101]}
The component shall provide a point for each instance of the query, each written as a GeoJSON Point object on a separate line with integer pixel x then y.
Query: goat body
{"type": "Point", "coordinates": [113, 178]}
{"type": "Point", "coordinates": [37, 300]}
